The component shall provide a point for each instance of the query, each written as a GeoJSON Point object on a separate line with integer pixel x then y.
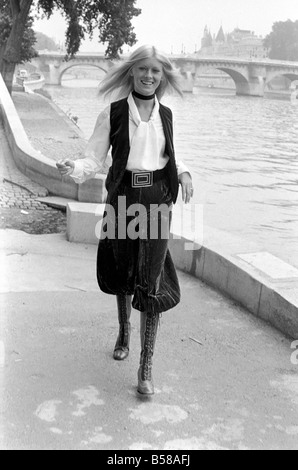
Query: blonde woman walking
{"type": "Point", "coordinates": [144, 174]}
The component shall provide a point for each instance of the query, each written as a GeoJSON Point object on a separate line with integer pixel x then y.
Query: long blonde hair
{"type": "Point", "coordinates": [119, 81]}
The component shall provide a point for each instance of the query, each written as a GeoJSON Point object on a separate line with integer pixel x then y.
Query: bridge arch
{"type": "Point", "coordinates": [289, 75]}
{"type": "Point", "coordinates": [241, 82]}
{"type": "Point", "coordinates": [53, 65]}
{"type": "Point", "coordinates": [63, 70]}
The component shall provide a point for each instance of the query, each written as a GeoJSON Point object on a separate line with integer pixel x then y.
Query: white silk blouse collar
{"type": "Point", "coordinates": [135, 112]}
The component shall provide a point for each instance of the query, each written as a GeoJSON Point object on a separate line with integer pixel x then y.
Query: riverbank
{"type": "Point", "coordinates": [241, 151]}
{"type": "Point", "coordinates": [64, 391]}
{"type": "Point", "coordinates": [39, 167]}
{"type": "Point", "coordinates": [20, 204]}
{"type": "Point", "coordinates": [48, 128]}
{"type": "Point", "coordinates": [240, 272]}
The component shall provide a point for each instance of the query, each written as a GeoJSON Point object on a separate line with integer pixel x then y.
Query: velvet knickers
{"type": "Point", "coordinates": [133, 255]}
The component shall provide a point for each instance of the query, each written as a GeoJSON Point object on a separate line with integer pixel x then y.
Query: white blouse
{"type": "Point", "coordinates": [147, 145]}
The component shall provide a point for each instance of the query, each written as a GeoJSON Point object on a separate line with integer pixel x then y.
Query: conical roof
{"type": "Point", "coordinates": [220, 35]}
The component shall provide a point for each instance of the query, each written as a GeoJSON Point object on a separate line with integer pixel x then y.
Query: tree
{"type": "Point", "coordinates": [283, 41]}
{"type": "Point", "coordinates": [43, 42]}
{"type": "Point", "coordinates": [112, 19]}
{"type": "Point", "coordinates": [27, 51]}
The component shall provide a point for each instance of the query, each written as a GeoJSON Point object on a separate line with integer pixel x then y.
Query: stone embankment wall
{"type": "Point", "coordinates": [39, 167]}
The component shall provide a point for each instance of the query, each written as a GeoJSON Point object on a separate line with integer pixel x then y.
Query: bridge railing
{"type": "Point", "coordinates": [179, 57]}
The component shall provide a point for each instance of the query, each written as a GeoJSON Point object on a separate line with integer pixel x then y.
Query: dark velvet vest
{"type": "Point", "coordinates": [121, 147]}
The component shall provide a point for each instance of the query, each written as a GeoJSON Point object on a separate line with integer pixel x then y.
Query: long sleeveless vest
{"type": "Point", "coordinates": [119, 137]}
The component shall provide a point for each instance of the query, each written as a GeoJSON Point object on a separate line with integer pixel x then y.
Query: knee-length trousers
{"type": "Point", "coordinates": [133, 256]}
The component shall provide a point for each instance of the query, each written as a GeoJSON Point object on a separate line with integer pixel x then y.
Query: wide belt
{"type": "Point", "coordinates": [143, 179]}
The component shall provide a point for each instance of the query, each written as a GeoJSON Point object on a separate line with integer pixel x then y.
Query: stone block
{"type": "Point", "coordinates": [93, 190]}
{"type": "Point", "coordinates": [216, 270]}
{"type": "Point", "coordinates": [84, 222]}
{"type": "Point", "coordinates": [189, 261]}
{"type": "Point", "coordinates": [279, 311]}
{"type": "Point", "coordinates": [244, 288]}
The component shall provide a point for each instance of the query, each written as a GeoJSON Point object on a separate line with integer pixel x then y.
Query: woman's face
{"type": "Point", "coordinates": [147, 75]}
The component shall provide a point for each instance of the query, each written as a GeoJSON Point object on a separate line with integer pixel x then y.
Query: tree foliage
{"type": "Point", "coordinates": [111, 18]}
{"type": "Point", "coordinates": [283, 41]}
{"type": "Point", "coordinates": [113, 21]}
{"type": "Point", "coordinates": [43, 42]}
{"type": "Point", "coordinates": [27, 50]}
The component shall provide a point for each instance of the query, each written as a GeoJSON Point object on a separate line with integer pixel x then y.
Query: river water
{"type": "Point", "coordinates": [242, 152]}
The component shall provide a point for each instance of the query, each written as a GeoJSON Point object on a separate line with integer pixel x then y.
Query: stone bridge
{"type": "Point", "coordinates": [53, 65]}
{"type": "Point", "coordinates": [250, 75]}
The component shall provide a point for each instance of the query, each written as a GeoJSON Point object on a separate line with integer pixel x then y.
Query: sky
{"type": "Point", "coordinates": [176, 25]}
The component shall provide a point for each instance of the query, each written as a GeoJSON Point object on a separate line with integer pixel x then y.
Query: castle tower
{"type": "Point", "coordinates": [207, 38]}
{"type": "Point", "coordinates": [220, 36]}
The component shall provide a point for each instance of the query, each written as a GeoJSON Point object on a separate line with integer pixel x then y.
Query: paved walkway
{"type": "Point", "coordinates": [223, 378]}
{"type": "Point", "coordinates": [51, 132]}
{"type": "Point", "coordinates": [49, 129]}
{"type": "Point", "coordinates": [16, 190]}
{"type": "Point", "coordinates": [19, 207]}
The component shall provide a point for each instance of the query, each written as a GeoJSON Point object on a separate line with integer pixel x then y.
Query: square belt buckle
{"type": "Point", "coordinates": [143, 179]}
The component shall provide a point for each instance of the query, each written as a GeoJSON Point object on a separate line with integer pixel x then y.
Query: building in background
{"type": "Point", "coordinates": [239, 43]}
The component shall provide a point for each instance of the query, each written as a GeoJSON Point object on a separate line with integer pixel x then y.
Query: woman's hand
{"type": "Point", "coordinates": [187, 187]}
{"type": "Point", "coordinates": [65, 167]}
